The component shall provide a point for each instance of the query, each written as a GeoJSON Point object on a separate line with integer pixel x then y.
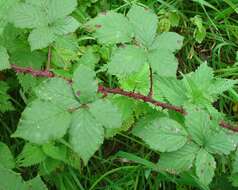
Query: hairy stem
{"type": "Point", "coordinates": [49, 59]}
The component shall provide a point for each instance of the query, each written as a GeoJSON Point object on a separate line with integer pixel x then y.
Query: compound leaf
{"type": "Point", "coordinates": [163, 134]}
{"type": "Point", "coordinates": [205, 166]}
{"type": "Point", "coordinates": [106, 113]}
{"type": "Point", "coordinates": [42, 122]}
{"type": "Point", "coordinates": [86, 134]}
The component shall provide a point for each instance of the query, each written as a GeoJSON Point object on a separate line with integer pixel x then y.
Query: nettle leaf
{"type": "Point", "coordinates": [144, 22]}
{"type": "Point", "coordinates": [41, 37]}
{"type": "Point", "coordinates": [30, 155]}
{"type": "Point", "coordinates": [4, 59]}
{"type": "Point", "coordinates": [5, 104]}
{"type": "Point", "coordinates": [169, 41]}
{"type": "Point", "coordinates": [36, 183]}
{"type": "Point", "coordinates": [111, 28]}
{"type": "Point", "coordinates": [42, 122]}
{"type": "Point", "coordinates": [180, 160]}
{"type": "Point", "coordinates": [85, 84]}
{"type": "Point", "coordinates": [86, 134]}
{"type": "Point", "coordinates": [58, 92]}
{"type": "Point", "coordinates": [220, 143]}
{"type": "Point", "coordinates": [199, 126]}
{"type": "Point", "coordinates": [106, 113]}
{"type": "Point", "coordinates": [163, 134]}
{"type": "Point", "coordinates": [6, 157]}
{"type": "Point", "coordinates": [127, 60]}
{"type": "Point", "coordinates": [235, 163]}
{"type": "Point", "coordinates": [59, 9]}
{"type": "Point", "coordinates": [163, 62]}
{"type": "Point", "coordinates": [48, 19]}
{"type": "Point", "coordinates": [205, 166]}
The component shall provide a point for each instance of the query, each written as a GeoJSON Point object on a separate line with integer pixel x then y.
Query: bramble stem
{"type": "Point", "coordinates": [104, 90]}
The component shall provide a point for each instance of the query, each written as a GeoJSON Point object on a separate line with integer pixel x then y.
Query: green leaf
{"type": "Point", "coordinates": [59, 9]}
{"type": "Point", "coordinates": [163, 62]}
{"type": "Point", "coordinates": [111, 28]}
{"type": "Point", "coordinates": [4, 59]}
{"type": "Point", "coordinates": [220, 143]}
{"type": "Point", "coordinates": [58, 92]}
{"type": "Point", "coordinates": [6, 157]}
{"type": "Point", "coordinates": [170, 41]}
{"type": "Point", "coordinates": [57, 152]}
{"type": "Point", "coordinates": [5, 104]}
{"type": "Point", "coordinates": [30, 155]}
{"type": "Point", "coordinates": [173, 90]}
{"type": "Point", "coordinates": [42, 122]}
{"type": "Point", "coordinates": [106, 113]}
{"type": "Point", "coordinates": [26, 15]}
{"type": "Point", "coordinates": [65, 25]}
{"type": "Point", "coordinates": [36, 184]}
{"type": "Point", "coordinates": [10, 180]}
{"type": "Point", "coordinates": [42, 37]}
{"type": "Point", "coordinates": [86, 134]}
{"type": "Point", "coordinates": [163, 134]}
{"type": "Point", "coordinates": [127, 60]}
{"type": "Point", "coordinates": [145, 23]}
{"type": "Point", "coordinates": [84, 83]}
{"type": "Point", "coordinates": [205, 166]}
{"type": "Point", "coordinates": [180, 160]}
{"type": "Point", "coordinates": [221, 85]}
{"type": "Point", "coordinates": [198, 124]}
{"type": "Point", "coordinates": [235, 163]}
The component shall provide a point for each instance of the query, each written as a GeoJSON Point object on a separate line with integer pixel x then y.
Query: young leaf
{"type": "Point", "coordinates": [111, 28]}
{"type": "Point", "coordinates": [6, 157]}
{"type": "Point", "coordinates": [4, 59]}
{"type": "Point", "coordinates": [198, 124]}
{"type": "Point", "coordinates": [106, 113]}
{"type": "Point", "coordinates": [169, 41]}
{"type": "Point", "coordinates": [84, 83]}
{"type": "Point", "coordinates": [180, 160]}
{"type": "Point", "coordinates": [163, 134]}
{"type": "Point", "coordinates": [126, 60]}
{"type": "Point", "coordinates": [30, 155]}
{"type": "Point", "coordinates": [144, 22]}
{"type": "Point", "coordinates": [57, 91]}
{"type": "Point", "coordinates": [205, 166]}
{"type": "Point", "coordinates": [220, 143]}
{"type": "Point", "coordinates": [86, 134]}
{"type": "Point", "coordinates": [42, 122]}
